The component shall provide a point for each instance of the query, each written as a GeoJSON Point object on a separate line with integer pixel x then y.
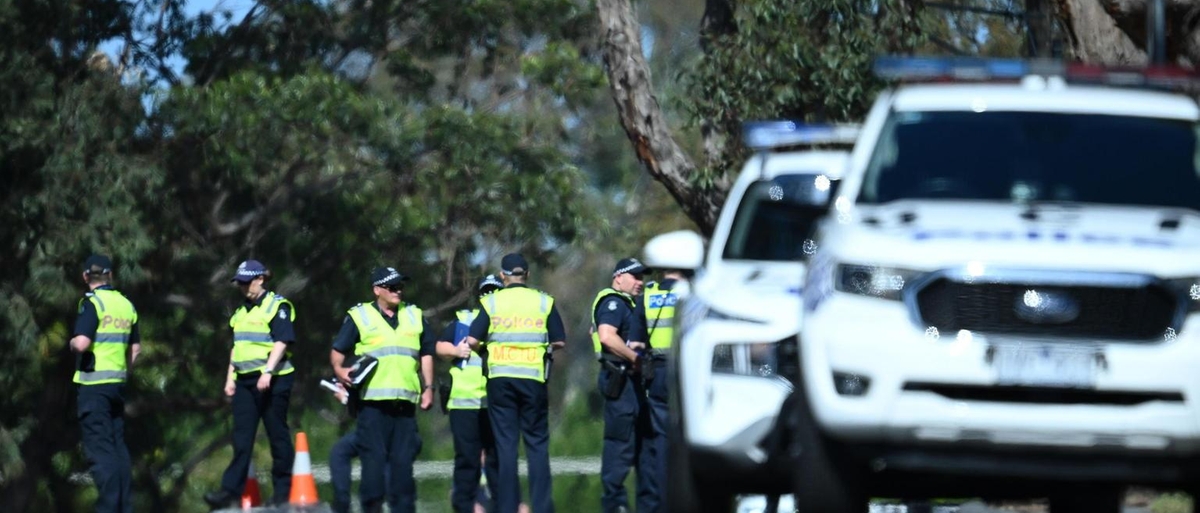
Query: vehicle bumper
{"type": "Point", "coordinates": [1144, 401]}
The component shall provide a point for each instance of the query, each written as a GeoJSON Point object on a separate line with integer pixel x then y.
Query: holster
{"type": "Point", "coordinates": [616, 380]}
{"type": "Point", "coordinates": [646, 364]}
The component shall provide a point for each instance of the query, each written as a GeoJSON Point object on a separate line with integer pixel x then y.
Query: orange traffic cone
{"type": "Point", "coordinates": [251, 495]}
{"type": "Point", "coordinates": [304, 488]}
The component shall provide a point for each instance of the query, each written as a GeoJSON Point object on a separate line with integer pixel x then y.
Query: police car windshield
{"type": "Point", "coordinates": [1034, 156]}
{"type": "Point", "coordinates": [776, 216]}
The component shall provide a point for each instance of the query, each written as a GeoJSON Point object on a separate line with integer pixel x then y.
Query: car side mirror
{"type": "Point", "coordinates": [682, 250]}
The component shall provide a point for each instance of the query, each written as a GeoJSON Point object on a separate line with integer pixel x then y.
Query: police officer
{"type": "Point", "coordinates": [343, 453]}
{"type": "Point", "coordinates": [616, 330]}
{"type": "Point", "coordinates": [260, 381]}
{"type": "Point", "coordinates": [105, 343]}
{"type": "Point", "coordinates": [398, 336]}
{"type": "Point", "coordinates": [657, 309]}
{"type": "Point", "coordinates": [519, 325]}
{"type": "Point", "coordinates": [469, 423]}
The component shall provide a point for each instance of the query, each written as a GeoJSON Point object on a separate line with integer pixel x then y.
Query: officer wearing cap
{"type": "Point", "coordinates": [657, 309]}
{"type": "Point", "coordinates": [398, 336]}
{"type": "Point", "coordinates": [469, 423]}
{"type": "Point", "coordinates": [105, 343]}
{"type": "Point", "coordinates": [260, 381]}
{"type": "Point", "coordinates": [517, 326]}
{"type": "Point", "coordinates": [615, 333]}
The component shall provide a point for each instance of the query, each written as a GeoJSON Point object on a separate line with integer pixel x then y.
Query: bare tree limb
{"type": "Point", "coordinates": [643, 119]}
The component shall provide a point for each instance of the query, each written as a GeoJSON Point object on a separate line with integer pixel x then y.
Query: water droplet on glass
{"type": "Point", "coordinates": [775, 193]}
{"type": "Point", "coordinates": [809, 247]}
{"type": "Point", "coordinates": [932, 333]}
{"type": "Point", "coordinates": [1170, 335]}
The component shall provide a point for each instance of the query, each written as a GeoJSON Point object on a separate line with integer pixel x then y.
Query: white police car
{"type": "Point", "coordinates": [1003, 299]}
{"type": "Point", "coordinates": [729, 378]}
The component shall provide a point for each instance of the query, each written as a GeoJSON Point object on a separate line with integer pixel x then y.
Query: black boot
{"type": "Point", "coordinates": [220, 499]}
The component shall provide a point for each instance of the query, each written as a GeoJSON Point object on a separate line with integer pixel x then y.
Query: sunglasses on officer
{"type": "Point", "coordinates": [397, 288]}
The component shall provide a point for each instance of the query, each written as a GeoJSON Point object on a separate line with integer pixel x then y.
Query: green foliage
{"type": "Point", "coordinates": [807, 60]}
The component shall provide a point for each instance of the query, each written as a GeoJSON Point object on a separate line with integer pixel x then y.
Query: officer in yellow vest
{"type": "Point", "coordinates": [398, 336]}
{"type": "Point", "coordinates": [469, 423]}
{"type": "Point", "coordinates": [259, 379]}
{"type": "Point", "coordinates": [618, 338]}
{"type": "Point", "coordinates": [657, 310]}
{"type": "Point", "coordinates": [518, 325]}
{"type": "Point", "coordinates": [105, 343]}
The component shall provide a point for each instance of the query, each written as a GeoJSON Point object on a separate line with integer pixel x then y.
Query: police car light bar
{"type": "Point", "coordinates": [763, 135]}
{"type": "Point", "coordinates": [966, 69]}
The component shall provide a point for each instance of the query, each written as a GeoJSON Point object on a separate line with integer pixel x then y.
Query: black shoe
{"type": "Point", "coordinates": [220, 499]}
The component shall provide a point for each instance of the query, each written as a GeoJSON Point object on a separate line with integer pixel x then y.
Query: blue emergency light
{"type": "Point", "coordinates": [967, 69]}
{"type": "Point", "coordinates": [761, 135]}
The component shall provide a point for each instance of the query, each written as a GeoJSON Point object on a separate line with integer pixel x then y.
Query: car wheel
{"type": "Point", "coordinates": [824, 481]}
{"type": "Point", "coordinates": [1099, 499]}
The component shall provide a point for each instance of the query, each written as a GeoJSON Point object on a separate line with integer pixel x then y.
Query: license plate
{"type": "Point", "coordinates": [1045, 365]}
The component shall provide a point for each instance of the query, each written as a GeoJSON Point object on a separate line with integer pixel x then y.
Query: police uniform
{"type": "Point", "coordinates": [518, 324]}
{"type": "Point", "coordinates": [625, 419]}
{"type": "Point", "coordinates": [386, 433]}
{"type": "Point", "coordinates": [257, 325]}
{"type": "Point", "coordinates": [469, 422]}
{"type": "Point", "coordinates": [657, 309]}
{"type": "Point", "coordinates": [109, 320]}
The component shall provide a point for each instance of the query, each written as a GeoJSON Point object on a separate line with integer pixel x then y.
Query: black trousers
{"type": "Point", "coordinates": [101, 413]}
{"type": "Point", "coordinates": [388, 444]}
{"type": "Point", "coordinates": [472, 430]}
{"type": "Point", "coordinates": [519, 409]}
{"type": "Point", "coordinates": [271, 406]}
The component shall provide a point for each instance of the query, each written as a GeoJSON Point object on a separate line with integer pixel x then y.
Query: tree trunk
{"type": "Point", "coordinates": [643, 119]}
{"type": "Point", "coordinates": [1113, 32]}
{"type": "Point", "coordinates": [1095, 36]}
{"type": "Point", "coordinates": [54, 417]}
{"type": "Point", "coordinates": [1040, 26]}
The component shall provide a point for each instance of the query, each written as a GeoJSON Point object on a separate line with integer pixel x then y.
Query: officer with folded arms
{"type": "Point", "coordinates": [105, 343]}
{"type": "Point", "coordinates": [467, 405]}
{"type": "Point", "coordinates": [396, 334]}
{"type": "Point", "coordinates": [260, 382]}
{"type": "Point", "coordinates": [518, 325]}
{"type": "Point", "coordinates": [624, 369]}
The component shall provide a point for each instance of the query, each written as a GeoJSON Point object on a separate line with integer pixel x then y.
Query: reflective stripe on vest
{"type": "Point", "coordinates": [252, 342]}
{"type": "Point", "coordinates": [468, 387]}
{"type": "Point", "coordinates": [517, 336]}
{"type": "Point", "coordinates": [596, 346]}
{"type": "Point", "coordinates": [398, 350]}
{"type": "Point", "coordinates": [115, 317]}
{"type": "Point", "coordinates": [660, 316]}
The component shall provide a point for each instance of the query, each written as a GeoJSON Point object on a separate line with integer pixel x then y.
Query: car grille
{"type": "Point", "coordinates": [1104, 313]}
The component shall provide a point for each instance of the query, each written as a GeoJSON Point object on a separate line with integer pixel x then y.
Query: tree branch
{"type": "Point", "coordinates": [643, 119]}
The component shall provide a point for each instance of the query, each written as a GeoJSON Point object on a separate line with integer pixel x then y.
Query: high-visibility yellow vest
{"type": "Point", "coordinates": [397, 349]}
{"type": "Point", "coordinates": [517, 336]}
{"type": "Point", "coordinates": [252, 342]}
{"type": "Point", "coordinates": [660, 315]}
{"type": "Point", "coordinates": [116, 317]}
{"type": "Point", "coordinates": [596, 327]}
{"type": "Point", "coordinates": [468, 388]}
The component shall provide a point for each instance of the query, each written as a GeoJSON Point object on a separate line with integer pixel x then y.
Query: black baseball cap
{"type": "Point", "coordinates": [97, 264]}
{"type": "Point", "coordinates": [249, 270]}
{"type": "Point", "coordinates": [386, 277]}
{"type": "Point", "coordinates": [631, 266]}
{"type": "Point", "coordinates": [513, 264]}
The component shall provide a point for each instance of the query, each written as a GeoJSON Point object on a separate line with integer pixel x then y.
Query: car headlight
{"type": "Point", "coordinates": [869, 280]}
{"type": "Point", "coordinates": [759, 360]}
{"type": "Point", "coordinates": [1189, 291]}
